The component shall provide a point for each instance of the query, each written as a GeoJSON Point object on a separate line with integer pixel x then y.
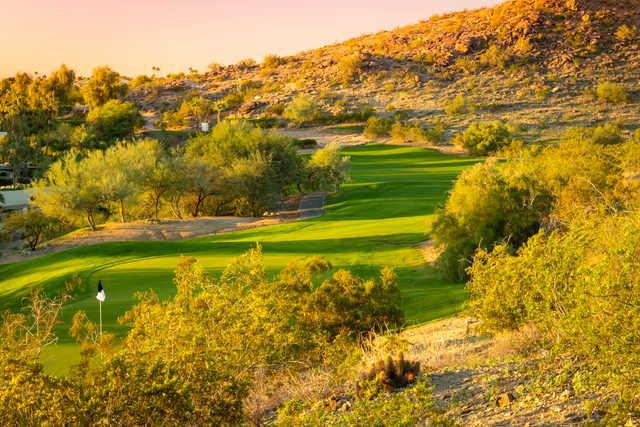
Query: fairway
{"type": "Point", "coordinates": [378, 219]}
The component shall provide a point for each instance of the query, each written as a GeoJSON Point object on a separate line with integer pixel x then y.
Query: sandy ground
{"type": "Point", "coordinates": [324, 135]}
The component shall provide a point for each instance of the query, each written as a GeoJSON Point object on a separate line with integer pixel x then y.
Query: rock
{"type": "Point", "coordinates": [505, 399]}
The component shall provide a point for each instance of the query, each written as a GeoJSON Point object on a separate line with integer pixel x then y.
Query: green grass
{"type": "Point", "coordinates": [378, 219]}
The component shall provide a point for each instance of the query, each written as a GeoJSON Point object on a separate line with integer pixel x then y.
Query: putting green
{"type": "Point", "coordinates": [378, 219]}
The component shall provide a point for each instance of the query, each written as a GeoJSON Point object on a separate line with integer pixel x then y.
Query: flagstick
{"type": "Point", "coordinates": [100, 322]}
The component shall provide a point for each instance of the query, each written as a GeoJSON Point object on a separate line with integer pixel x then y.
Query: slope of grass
{"type": "Point", "coordinates": [378, 219]}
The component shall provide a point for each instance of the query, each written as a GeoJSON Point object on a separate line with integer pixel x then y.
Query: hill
{"type": "Point", "coordinates": [536, 63]}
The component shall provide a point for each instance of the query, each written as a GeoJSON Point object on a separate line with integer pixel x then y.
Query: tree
{"type": "Point", "coordinates": [104, 85]}
{"type": "Point", "coordinates": [488, 205]}
{"type": "Point", "coordinates": [231, 146]}
{"type": "Point", "coordinates": [112, 121]}
{"type": "Point", "coordinates": [157, 176]}
{"type": "Point", "coordinates": [203, 180]}
{"type": "Point", "coordinates": [484, 138]}
{"type": "Point", "coordinates": [32, 225]}
{"type": "Point", "coordinates": [73, 188]}
{"type": "Point", "coordinates": [253, 187]}
{"type": "Point", "coordinates": [327, 169]}
{"type": "Point", "coordinates": [126, 166]}
{"type": "Point", "coordinates": [302, 110]}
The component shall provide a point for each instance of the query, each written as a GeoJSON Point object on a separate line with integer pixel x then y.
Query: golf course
{"type": "Point", "coordinates": [379, 218]}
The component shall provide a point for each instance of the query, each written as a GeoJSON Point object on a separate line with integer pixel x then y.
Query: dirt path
{"type": "Point", "coordinates": [309, 206]}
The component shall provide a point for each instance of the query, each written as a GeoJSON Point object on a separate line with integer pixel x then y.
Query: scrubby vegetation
{"type": "Point", "coordinates": [196, 356]}
{"type": "Point", "coordinates": [484, 138]}
{"type": "Point", "coordinates": [544, 232]}
{"type": "Point", "coordinates": [551, 243]}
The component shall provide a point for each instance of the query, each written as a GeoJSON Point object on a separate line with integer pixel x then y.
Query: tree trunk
{"type": "Point", "coordinates": [157, 203]}
{"type": "Point", "coordinates": [196, 210]}
{"type": "Point", "coordinates": [175, 206]}
{"type": "Point", "coordinates": [122, 215]}
{"type": "Point", "coordinates": [219, 116]}
{"type": "Point", "coordinates": [91, 220]}
{"type": "Point", "coordinates": [34, 243]}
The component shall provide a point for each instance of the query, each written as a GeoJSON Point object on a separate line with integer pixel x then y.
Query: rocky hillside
{"type": "Point", "coordinates": [533, 62]}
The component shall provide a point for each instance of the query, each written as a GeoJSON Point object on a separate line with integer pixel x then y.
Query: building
{"type": "Point", "coordinates": [14, 200]}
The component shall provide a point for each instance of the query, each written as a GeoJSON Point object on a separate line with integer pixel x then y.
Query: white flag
{"type": "Point", "coordinates": [101, 295]}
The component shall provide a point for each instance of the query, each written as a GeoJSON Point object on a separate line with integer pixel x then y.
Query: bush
{"type": "Point", "coordinates": [484, 138]}
{"type": "Point", "coordinates": [246, 63]}
{"type": "Point", "coordinates": [494, 57]}
{"type": "Point", "coordinates": [459, 106]}
{"type": "Point", "coordinates": [626, 34]}
{"type": "Point", "coordinates": [377, 127]}
{"type": "Point", "coordinates": [580, 289]}
{"type": "Point", "coordinates": [413, 406]}
{"type": "Point", "coordinates": [606, 134]}
{"type": "Point", "coordinates": [273, 61]}
{"type": "Point", "coordinates": [488, 204]}
{"type": "Point", "coordinates": [612, 92]}
{"type": "Point", "coordinates": [193, 358]}
{"type": "Point", "coordinates": [303, 110]}
{"type": "Point", "coordinates": [404, 132]}
{"type": "Point", "coordinates": [112, 121]}
{"type": "Point", "coordinates": [349, 68]}
{"type": "Point", "coordinates": [326, 170]}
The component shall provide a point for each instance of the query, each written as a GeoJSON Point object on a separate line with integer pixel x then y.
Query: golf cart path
{"type": "Point", "coordinates": [308, 206]}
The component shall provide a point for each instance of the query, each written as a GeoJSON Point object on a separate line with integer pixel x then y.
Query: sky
{"type": "Point", "coordinates": [134, 35]}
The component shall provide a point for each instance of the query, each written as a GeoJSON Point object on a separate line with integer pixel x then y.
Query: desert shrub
{"type": "Point", "coordinates": [273, 61]}
{"type": "Point", "coordinates": [404, 132]}
{"type": "Point", "coordinates": [606, 134]}
{"type": "Point", "coordinates": [612, 92]}
{"type": "Point", "coordinates": [349, 68]}
{"type": "Point", "coordinates": [484, 138]}
{"type": "Point", "coordinates": [410, 407]}
{"type": "Point", "coordinates": [192, 358]}
{"type": "Point", "coordinates": [246, 63]}
{"type": "Point", "coordinates": [467, 65]}
{"type": "Point", "coordinates": [377, 127]}
{"type": "Point", "coordinates": [510, 201]}
{"type": "Point", "coordinates": [276, 109]}
{"type": "Point", "coordinates": [303, 110]}
{"type": "Point", "coordinates": [458, 106]}
{"type": "Point", "coordinates": [494, 57]}
{"type": "Point", "coordinates": [626, 33]}
{"type": "Point", "coordinates": [580, 289]}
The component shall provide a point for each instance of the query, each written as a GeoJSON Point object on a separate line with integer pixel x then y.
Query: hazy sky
{"type": "Point", "coordinates": [134, 35]}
